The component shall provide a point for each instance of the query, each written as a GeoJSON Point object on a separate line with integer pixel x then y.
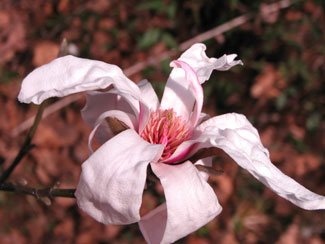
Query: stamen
{"type": "Point", "coordinates": [165, 127]}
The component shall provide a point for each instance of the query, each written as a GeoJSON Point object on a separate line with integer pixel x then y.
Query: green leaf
{"type": "Point", "coordinates": [157, 5]}
{"type": "Point", "coordinates": [313, 121]}
{"type": "Point", "coordinates": [281, 101]}
{"type": "Point", "coordinates": [166, 69]}
{"type": "Point", "coordinates": [169, 40]}
{"type": "Point", "coordinates": [171, 10]}
{"type": "Point", "coordinates": [150, 38]}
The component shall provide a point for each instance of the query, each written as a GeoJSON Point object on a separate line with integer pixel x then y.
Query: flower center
{"type": "Point", "coordinates": [165, 127]}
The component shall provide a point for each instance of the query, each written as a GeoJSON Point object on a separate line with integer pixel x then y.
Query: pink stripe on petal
{"type": "Point", "coordinates": [180, 156]}
{"type": "Point", "coordinates": [193, 80]}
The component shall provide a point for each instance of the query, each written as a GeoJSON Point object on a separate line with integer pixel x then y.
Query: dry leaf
{"type": "Point", "coordinates": [12, 34]}
{"type": "Point", "coordinates": [65, 230]}
{"type": "Point", "coordinates": [268, 84]}
{"type": "Point", "coordinates": [45, 52]}
{"type": "Point", "coordinates": [111, 231]}
{"type": "Point", "coordinates": [223, 186]}
{"type": "Point", "coordinates": [290, 236]}
{"type": "Point", "coordinates": [149, 202]}
{"type": "Point", "coordinates": [196, 240]}
{"type": "Point", "coordinates": [268, 14]}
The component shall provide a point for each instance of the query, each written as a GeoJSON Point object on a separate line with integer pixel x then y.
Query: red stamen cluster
{"type": "Point", "coordinates": [165, 127]}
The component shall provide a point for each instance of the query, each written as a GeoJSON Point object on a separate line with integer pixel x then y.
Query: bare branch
{"type": "Point", "coordinates": [26, 146]}
{"type": "Point", "coordinates": [28, 140]}
{"type": "Point", "coordinates": [38, 193]}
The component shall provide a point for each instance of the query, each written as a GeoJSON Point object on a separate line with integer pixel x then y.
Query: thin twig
{"type": "Point", "coordinates": [27, 143]}
{"type": "Point", "coordinates": [49, 110]}
{"type": "Point", "coordinates": [36, 192]}
{"type": "Point", "coordinates": [26, 146]}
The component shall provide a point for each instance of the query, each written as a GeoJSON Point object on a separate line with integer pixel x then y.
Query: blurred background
{"type": "Point", "coordinates": [280, 89]}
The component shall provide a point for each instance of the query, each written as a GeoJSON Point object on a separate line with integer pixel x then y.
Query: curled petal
{"type": "Point", "coordinates": [148, 95]}
{"type": "Point", "coordinates": [100, 102]}
{"type": "Point", "coordinates": [149, 102]}
{"type": "Point", "coordinates": [112, 179]}
{"type": "Point", "coordinates": [206, 162]}
{"type": "Point", "coordinates": [191, 203]}
{"type": "Point", "coordinates": [203, 66]}
{"type": "Point", "coordinates": [197, 89]}
{"type": "Point", "coordinates": [177, 94]}
{"type": "Point", "coordinates": [226, 62]}
{"type": "Point", "coordinates": [240, 140]}
{"type": "Point", "coordinates": [144, 117]}
{"type": "Point", "coordinates": [203, 117]}
{"type": "Point", "coordinates": [125, 119]}
{"type": "Point", "coordinates": [68, 75]}
{"type": "Point", "coordinates": [186, 148]}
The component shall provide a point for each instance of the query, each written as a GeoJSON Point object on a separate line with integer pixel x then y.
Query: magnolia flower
{"type": "Point", "coordinates": [136, 130]}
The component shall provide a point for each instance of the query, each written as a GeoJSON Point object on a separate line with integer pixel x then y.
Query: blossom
{"type": "Point", "coordinates": [136, 131]}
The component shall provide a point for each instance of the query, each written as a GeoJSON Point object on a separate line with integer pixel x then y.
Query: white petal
{"type": "Point", "coordinates": [112, 179]}
{"type": "Point", "coordinates": [191, 203]}
{"type": "Point", "coordinates": [240, 140]}
{"type": "Point", "coordinates": [68, 75]}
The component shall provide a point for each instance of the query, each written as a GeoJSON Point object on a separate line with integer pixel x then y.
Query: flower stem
{"type": "Point", "coordinates": [26, 146]}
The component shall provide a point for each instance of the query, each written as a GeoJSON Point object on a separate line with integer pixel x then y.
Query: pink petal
{"type": "Point", "coordinates": [149, 102]}
{"type": "Point", "coordinates": [203, 117]}
{"type": "Point", "coordinates": [153, 225]}
{"type": "Point", "coordinates": [128, 119]}
{"type": "Point", "coordinates": [183, 151]}
{"type": "Point", "coordinates": [68, 75]}
{"type": "Point", "coordinates": [177, 93]}
{"type": "Point", "coordinates": [148, 95]}
{"type": "Point", "coordinates": [204, 162]}
{"type": "Point", "coordinates": [240, 140]}
{"type": "Point", "coordinates": [203, 66]}
{"type": "Point", "coordinates": [191, 203]}
{"type": "Point", "coordinates": [197, 89]}
{"type": "Point", "coordinates": [112, 179]}
{"type": "Point", "coordinates": [144, 117]}
{"type": "Point", "coordinates": [100, 102]}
